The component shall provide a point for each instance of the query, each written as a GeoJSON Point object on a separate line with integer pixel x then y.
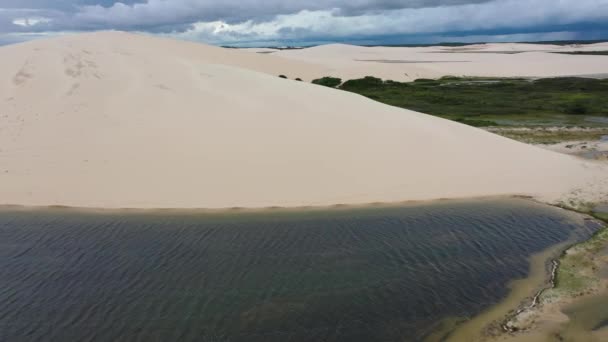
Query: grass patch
{"type": "Point", "coordinates": [591, 53]}
{"type": "Point", "coordinates": [601, 216]}
{"type": "Point", "coordinates": [578, 270]}
{"type": "Point", "coordinates": [476, 122]}
{"type": "Point", "coordinates": [578, 266]}
{"type": "Point", "coordinates": [472, 99]}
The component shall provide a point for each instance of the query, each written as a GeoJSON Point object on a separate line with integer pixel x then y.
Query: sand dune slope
{"type": "Point", "coordinates": [116, 120]}
{"type": "Point", "coordinates": [409, 63]}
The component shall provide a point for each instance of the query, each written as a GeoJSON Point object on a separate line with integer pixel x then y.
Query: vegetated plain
{"type": "Point", "coordinates": [484, 101]}
{"type": "Point", "coordinates": [590, 53]}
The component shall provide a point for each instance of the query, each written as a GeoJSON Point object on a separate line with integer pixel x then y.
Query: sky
{"type": "Point", "coordinates": [311, 22]}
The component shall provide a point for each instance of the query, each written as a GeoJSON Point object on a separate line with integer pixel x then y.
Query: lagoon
{"type": "Point", "coordinates": [379, 273]}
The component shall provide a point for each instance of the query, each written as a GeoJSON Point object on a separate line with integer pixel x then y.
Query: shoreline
{"type": "Point", "coordinates": [488, 324]}
{"type": "Point", "coordinates": [582, 281]}
{"type": "Point", "coordinates": [532, 318]}
{"type": "Point", "coordinates": [536, 299]}
{"type": "Point", "coordinates": [267, 209]}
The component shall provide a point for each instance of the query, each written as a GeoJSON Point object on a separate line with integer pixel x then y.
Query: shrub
{"type": "Point", "coordinates": [576, 108]}
{"type": "Point", "coordinates": [363, 83]}
{"type": "Point", "coordinates": [328, 81]}
{"type": "Point", "coordinates": [449, 78]}
{"type": "Point", "coordinates": [299, 79]}
{"type": "Point", "coordinates": [282, 76]}
{"type": "Point", "coordinates": [424, 80]}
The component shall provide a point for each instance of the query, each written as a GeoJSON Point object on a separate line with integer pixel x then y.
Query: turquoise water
{"type": "Point", "coordinates": [373, 274]}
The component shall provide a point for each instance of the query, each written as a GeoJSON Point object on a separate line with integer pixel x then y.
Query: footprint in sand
{"type": "Point", "coordinates": [22, 76]}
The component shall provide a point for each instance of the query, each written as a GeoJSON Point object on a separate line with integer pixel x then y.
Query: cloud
{"type": "Point", "coordinates": [165, 12]}
{"type": "Point", "coordinates": [233, 21]}
{"type": "Point", "coordinates": [66, 5]}
{"type": "Point", "coordinates": [151, 14]}
{"type": "Point", "coordinates": [508, 15]}
{"type": "Point", "coordinates": [30, 21]}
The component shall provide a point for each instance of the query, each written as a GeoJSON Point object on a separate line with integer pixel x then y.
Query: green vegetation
{"type": "Point", "coordinates": [543, 135]}
{"type": "Point", "coordinates": [328, 81]}
{"type": "Point", "coordinates": [487, 101]}
{"type": "Point", "coordinates": [592, 53]}
{"type": "Point", "coordinates": [601, 216]}
{"type": "Point", "coordinates": [577, 107]}
{"type": "Point", "coordinates": [579, 266]}
{"type": "Point", "coordinates": [460, 44]}
{"type": "Point", "coordinates": [577, 273]}
{"type": "Point", "coordinates": [476, 122]}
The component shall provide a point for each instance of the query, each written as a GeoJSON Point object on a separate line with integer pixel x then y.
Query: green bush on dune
{"type": "Point", "coordinates": [331, 82]}
{"type": "Point", "coordinates": [362, 84]}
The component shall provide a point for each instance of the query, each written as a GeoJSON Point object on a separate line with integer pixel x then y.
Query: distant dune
{"type": "Point", "coordinates": [410, 63]}
{"type": "Point", "coordinates": [119, 120]}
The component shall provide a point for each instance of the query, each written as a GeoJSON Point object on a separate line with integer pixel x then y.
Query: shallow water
{"type": "Point", "coordinates": [597, 119]}
{"type": "Point", "coordinates": [588, 320]}
{"type": "Point", "coordinates": [601, 208]}
{"type": "Point", "coordinates": [370, 274]}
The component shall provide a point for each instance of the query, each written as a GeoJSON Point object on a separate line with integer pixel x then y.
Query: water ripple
{"type": "Point", "coordinates": [382, 274]}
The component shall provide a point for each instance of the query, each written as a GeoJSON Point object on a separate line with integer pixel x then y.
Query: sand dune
{"type": "Point", "coordinates": [119, 120]}
{"type": "Point", "coordinates": [409, 63]}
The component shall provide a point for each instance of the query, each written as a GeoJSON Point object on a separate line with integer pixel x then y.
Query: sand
{"type": "Point", "coordinates": [117, 120]}
{"type": "Point", "coordinates": [492, 60]}
{"type": "Point", "coordinates": [592, 149]}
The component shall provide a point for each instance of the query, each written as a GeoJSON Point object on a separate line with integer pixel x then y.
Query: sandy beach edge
{"type": "Point", "coordinates": [526, 314]}
{"type": "Point", "coordinates": [266, 209]}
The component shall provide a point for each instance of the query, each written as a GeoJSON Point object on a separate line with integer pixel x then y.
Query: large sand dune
{"type": "Point", "coordinates": [410, 63]}
{"type": "Point", "coordinates": [118, 120]}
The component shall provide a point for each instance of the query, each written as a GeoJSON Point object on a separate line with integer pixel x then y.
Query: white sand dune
{"type": "Point", "coordinates": [409, 63]}
{"type": "Point", "coordinates": [118, 120]}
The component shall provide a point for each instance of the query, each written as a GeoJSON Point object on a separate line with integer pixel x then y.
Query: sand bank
{"type": "Point", "coordinates": [574, 309]}
{"type": "Point", "coordinates": [563, 298]}
{"type": "Point", "coordinates": [117, 120]}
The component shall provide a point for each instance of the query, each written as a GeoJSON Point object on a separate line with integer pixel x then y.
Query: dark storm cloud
{"type": "Point", "coordinates": [240, 20]}
{"type": "Point", "coordinates": [157, 15]}
{"type": "Point", "coordinates": [60, 4]}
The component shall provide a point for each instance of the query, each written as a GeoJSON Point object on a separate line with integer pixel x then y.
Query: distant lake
{"type": "Point", "coordinates": [368, 274]}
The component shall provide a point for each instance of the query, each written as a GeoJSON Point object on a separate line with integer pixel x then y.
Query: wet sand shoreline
{"type": "Point", "coordinates": [540, 313]}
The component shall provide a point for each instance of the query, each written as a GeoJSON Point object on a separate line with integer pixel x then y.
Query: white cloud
{"type": "Point", "coordinates": [465, 18]}
{"type": "Point", "coordinates": [30, 21]}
